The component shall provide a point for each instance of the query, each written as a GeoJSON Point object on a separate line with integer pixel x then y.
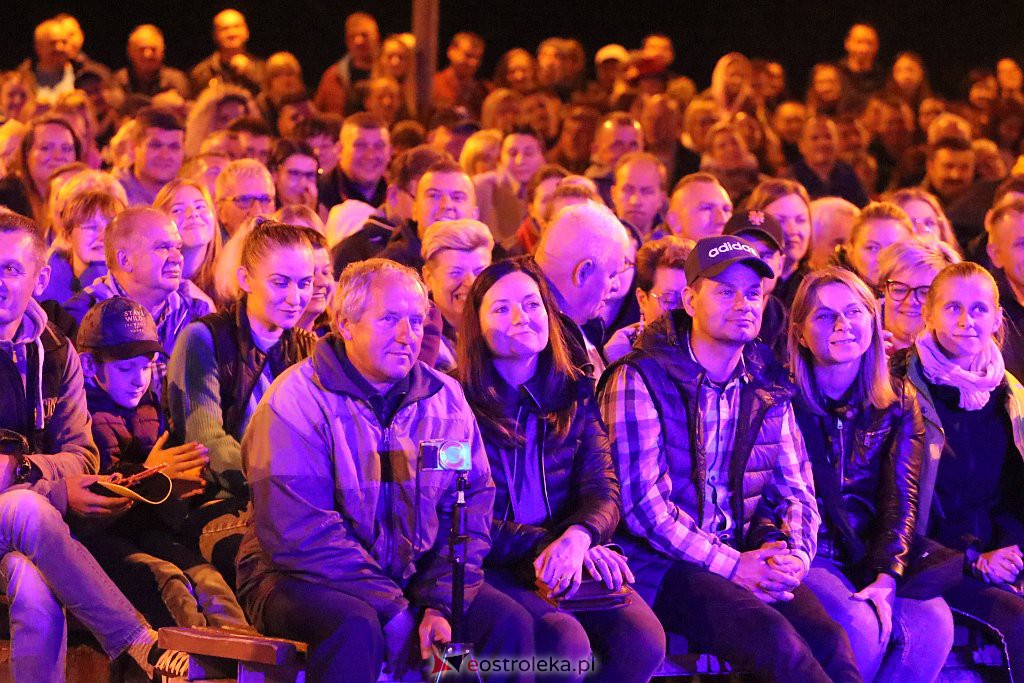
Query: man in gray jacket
{"type": "Point", "coordinates": [47, 463]}
{"type": "Point", "coordinates": [348, 548]}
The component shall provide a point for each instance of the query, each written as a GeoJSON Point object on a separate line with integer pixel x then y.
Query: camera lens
{"type": "Point", "coordinates": [450, 456]}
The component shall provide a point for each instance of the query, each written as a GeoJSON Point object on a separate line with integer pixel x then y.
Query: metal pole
{"type": "Point", "coordinates": [425, 14]}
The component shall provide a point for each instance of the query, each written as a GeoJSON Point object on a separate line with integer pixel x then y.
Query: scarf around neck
{"type": "Point", "coordinates": [985, 373]}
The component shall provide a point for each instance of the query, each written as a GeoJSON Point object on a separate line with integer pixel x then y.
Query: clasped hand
{"type": "Point", "coordinates": [771, 572]}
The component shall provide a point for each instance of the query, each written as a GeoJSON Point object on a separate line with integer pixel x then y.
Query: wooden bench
{"type": "Point", "coordinates": [217, 654]}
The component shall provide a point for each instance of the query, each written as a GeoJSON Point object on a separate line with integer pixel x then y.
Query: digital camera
{"type": "Point", "coordinates": [445, 455]}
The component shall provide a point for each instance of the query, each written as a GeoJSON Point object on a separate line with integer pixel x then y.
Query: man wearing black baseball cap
{"type": "Point", "coordinates": [719, 510]}
{"type": "Point", "coordinates": [765, 234]}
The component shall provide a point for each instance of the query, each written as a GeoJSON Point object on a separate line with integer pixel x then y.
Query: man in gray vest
{"type": "Point", "coordinates": [717, 494]}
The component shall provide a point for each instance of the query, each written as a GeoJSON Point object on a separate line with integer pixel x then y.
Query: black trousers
{"type": "Point", "coordinates": [347, 641]}
{"type": "Point", "coordinates": [783, 641]}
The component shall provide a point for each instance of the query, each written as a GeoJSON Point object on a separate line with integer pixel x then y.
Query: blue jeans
{"type": "Point", "coordinates": [44, 568]}
{"type": "Point", "coordinates": [922, 630]}
{"type": "Point", "coordinates": [778, 642]}
{"type": "Point", "coordinates": [628, 642]}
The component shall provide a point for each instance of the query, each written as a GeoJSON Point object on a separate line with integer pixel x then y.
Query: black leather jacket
{"type": "Point", "coordinates": [579, 481]}
{"type": "Point", "coordinates": [867, 467]}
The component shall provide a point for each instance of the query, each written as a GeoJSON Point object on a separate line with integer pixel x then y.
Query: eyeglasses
{"type": "Point", "coordinates": [900, 291]}
{"type": "Point", "coordinates": [296, 175]}
{"type": "Point", "coordinates": [925, 225]}
{"type": "Point", "coordinates": [245, 201]}
{"type": "Point", "coordinates": [669, 301]}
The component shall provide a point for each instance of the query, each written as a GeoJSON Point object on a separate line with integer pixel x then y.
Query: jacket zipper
{"type": "Point", "coordinates": [842, 455]}
{"type": "Point", "coordinates": [389, 545]}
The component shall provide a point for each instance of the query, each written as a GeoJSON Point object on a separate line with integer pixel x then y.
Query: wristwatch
{"type": "Point", "coordinates": [22, 470]}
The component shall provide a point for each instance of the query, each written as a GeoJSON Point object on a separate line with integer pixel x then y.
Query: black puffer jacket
{"type": "Point", "coordinates": [867, 467]}
{"type": "Point", "coordinates": [578, 478]}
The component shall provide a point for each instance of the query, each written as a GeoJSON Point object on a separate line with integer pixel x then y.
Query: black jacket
{"type": "Point", "coordinates": [578, 478]}
{"type": "Point", "coordinates": [336, 187]}
{"type": "Point", "coordinates": [241, 363]}
{"type": "Point", "coordinates": [370, 241]}
{"type": "Point", "coordinates": [867, 467]}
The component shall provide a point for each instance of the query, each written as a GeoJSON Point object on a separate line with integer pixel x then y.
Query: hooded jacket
{"type": "Point", "coordinates": [338, 498]}
{"type": "Point", "coordinates": [42, 397]}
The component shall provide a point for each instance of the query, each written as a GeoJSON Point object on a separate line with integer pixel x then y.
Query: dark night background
{"type": "Point", "coordinates": [952, 36]}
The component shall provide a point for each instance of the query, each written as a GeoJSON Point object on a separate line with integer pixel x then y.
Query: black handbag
{"type": "Point", "coordinates": [593, 595]}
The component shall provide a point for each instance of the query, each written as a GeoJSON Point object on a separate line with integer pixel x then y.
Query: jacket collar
{"type": "Point", "coordinates": [667, 339]}
{"type": "Point", "coordinates": [330, 372]}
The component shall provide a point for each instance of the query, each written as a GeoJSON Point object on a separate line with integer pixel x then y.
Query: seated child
{"type": "Point", "coordinates": [167, 581]}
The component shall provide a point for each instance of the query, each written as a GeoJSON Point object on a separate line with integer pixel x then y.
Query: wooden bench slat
{"type": "Point", "coordinates": [212, 642]}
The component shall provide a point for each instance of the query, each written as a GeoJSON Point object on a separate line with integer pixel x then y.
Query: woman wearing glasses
{"type": "Point", "coordinates": [660, 281]}
{"type": "Point", "coordinates": [905, 272]}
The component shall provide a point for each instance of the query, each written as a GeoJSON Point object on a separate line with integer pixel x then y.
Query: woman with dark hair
{"type": "Point", "coordinates": [557, 498]}
{"type": "Point", "coordinates": [49, 143]}
{"type": "Point", "coordinates": [516, 70]}
{"type": "Point", "coordinates": [865, 440]}
{"type": "Point", "coordinates": [908, 79]}
{"type": "Point", "coordinates": [787, 202]}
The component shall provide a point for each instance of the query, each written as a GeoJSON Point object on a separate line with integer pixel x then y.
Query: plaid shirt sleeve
{"type": "Point", "coordinates": [637, 447]}
{"type": "Point", "coordinates": [791, 490]}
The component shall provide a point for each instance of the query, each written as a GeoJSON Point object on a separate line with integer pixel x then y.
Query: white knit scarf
{"type": "Point", "coordinates": [975, 383]}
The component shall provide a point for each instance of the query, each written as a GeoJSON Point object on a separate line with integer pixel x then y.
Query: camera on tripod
{"type": "Point", "coordinates": [445, 455]}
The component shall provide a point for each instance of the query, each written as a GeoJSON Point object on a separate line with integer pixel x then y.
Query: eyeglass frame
{"type": "Point", "coordinates": [263, 200]}
{"type": "Point", "coordinates": [660, 299]}
{"type": "Point", "coordinates": [911, 291]}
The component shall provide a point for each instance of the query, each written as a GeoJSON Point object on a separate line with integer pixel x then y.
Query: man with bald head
{"type": "Point", "coordinates": [699, 208]}
{"type": "Point", "coordinates": [143, 253]}
{"type": "Point", "coordinates": [51, 72]}
{"type": "Point", "coordinates": [146, 73]}
{"type": "Point", "coordinates": [582, 254]}
{"type": "Point", "coordinates": [230, 63]}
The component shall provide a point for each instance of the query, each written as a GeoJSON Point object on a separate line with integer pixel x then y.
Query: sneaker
{"type": "Point", "coordinates": [168, 663]}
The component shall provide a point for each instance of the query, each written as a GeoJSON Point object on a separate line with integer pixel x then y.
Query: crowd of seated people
{"type": "Point", "coordinates": [737, 364]}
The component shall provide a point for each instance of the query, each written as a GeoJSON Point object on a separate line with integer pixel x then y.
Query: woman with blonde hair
{"type": "Point", "coordinates": [879, 225]}
{"type": "Point", "coordinates": [500, 110]}
{"type": "Point", "coordinates": [214, 109]}
{"type": "Point", "coordinates": [970, 506]}
{"type": "Point", "coordinates": [76, 108]}
{"type": "Point", "coordinates": [516, 70]}
{"type": "Point", "coordinates": [732, 85]}
{"type": "Point", "coordinates": [77, 256]}
{"type": "Point", "coordinates": [864, 436]}
{"type": "Point", "coordinates": [191, 207]}
{"type": "Point", "coordinates": [787, 202]}
{"type": "Point", "coordinates": [397, 60]}
{"type": "Point", "coordinates": [481, 151]}
{"type": "Point", "coordinates": [905, 274]}
{"type": "Point", "coordinates": [926, 215]}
